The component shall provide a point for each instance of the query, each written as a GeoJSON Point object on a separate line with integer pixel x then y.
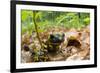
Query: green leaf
{"type": "Point", "coordinates": [87, 20]}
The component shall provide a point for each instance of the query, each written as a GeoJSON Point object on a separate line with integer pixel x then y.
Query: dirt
{"type": "Point", "coordinates": [76, 45]}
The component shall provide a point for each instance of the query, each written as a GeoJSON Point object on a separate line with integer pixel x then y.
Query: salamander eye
{"type": "Point", "coordinates": [51, 36]}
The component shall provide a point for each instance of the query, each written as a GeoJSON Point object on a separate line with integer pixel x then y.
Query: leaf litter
{"type": "Point", "coordinates": [59, 44]}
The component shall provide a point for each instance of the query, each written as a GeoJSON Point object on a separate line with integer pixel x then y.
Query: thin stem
{"type": "Point", "coordinates": [36, 28]}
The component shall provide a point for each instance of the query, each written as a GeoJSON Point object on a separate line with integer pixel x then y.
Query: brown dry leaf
{"type": "Point", "coordinates": [87, 40]}
{"type": "Point", "coordinates": [26, 38]}
{"type": "Point", "coordinates": [74, 57]}
{"type": "Point", "coordinates": [55, 57]}
{"type": "Point", "coordinates": [67, 52]}
{"type": "Point", "coordinates": [26, 57]}
{"type": "Point", "coordinates": [80, 55]}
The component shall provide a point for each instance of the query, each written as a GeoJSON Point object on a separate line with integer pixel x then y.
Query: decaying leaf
{"type": "Point", "coordinates": [75, 45]}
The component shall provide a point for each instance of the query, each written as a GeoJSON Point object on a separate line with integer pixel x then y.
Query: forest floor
{"type": "Point", "coordinates": [75, 46]}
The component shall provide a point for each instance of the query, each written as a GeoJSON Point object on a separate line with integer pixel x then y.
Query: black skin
{"type": "Point", "coordinates": [57, 38]}
{"type": "Point", "coordinates": [54, 42]}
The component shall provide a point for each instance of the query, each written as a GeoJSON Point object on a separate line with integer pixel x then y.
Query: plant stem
{"type": "Point", "coordinates": [36, 28]}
